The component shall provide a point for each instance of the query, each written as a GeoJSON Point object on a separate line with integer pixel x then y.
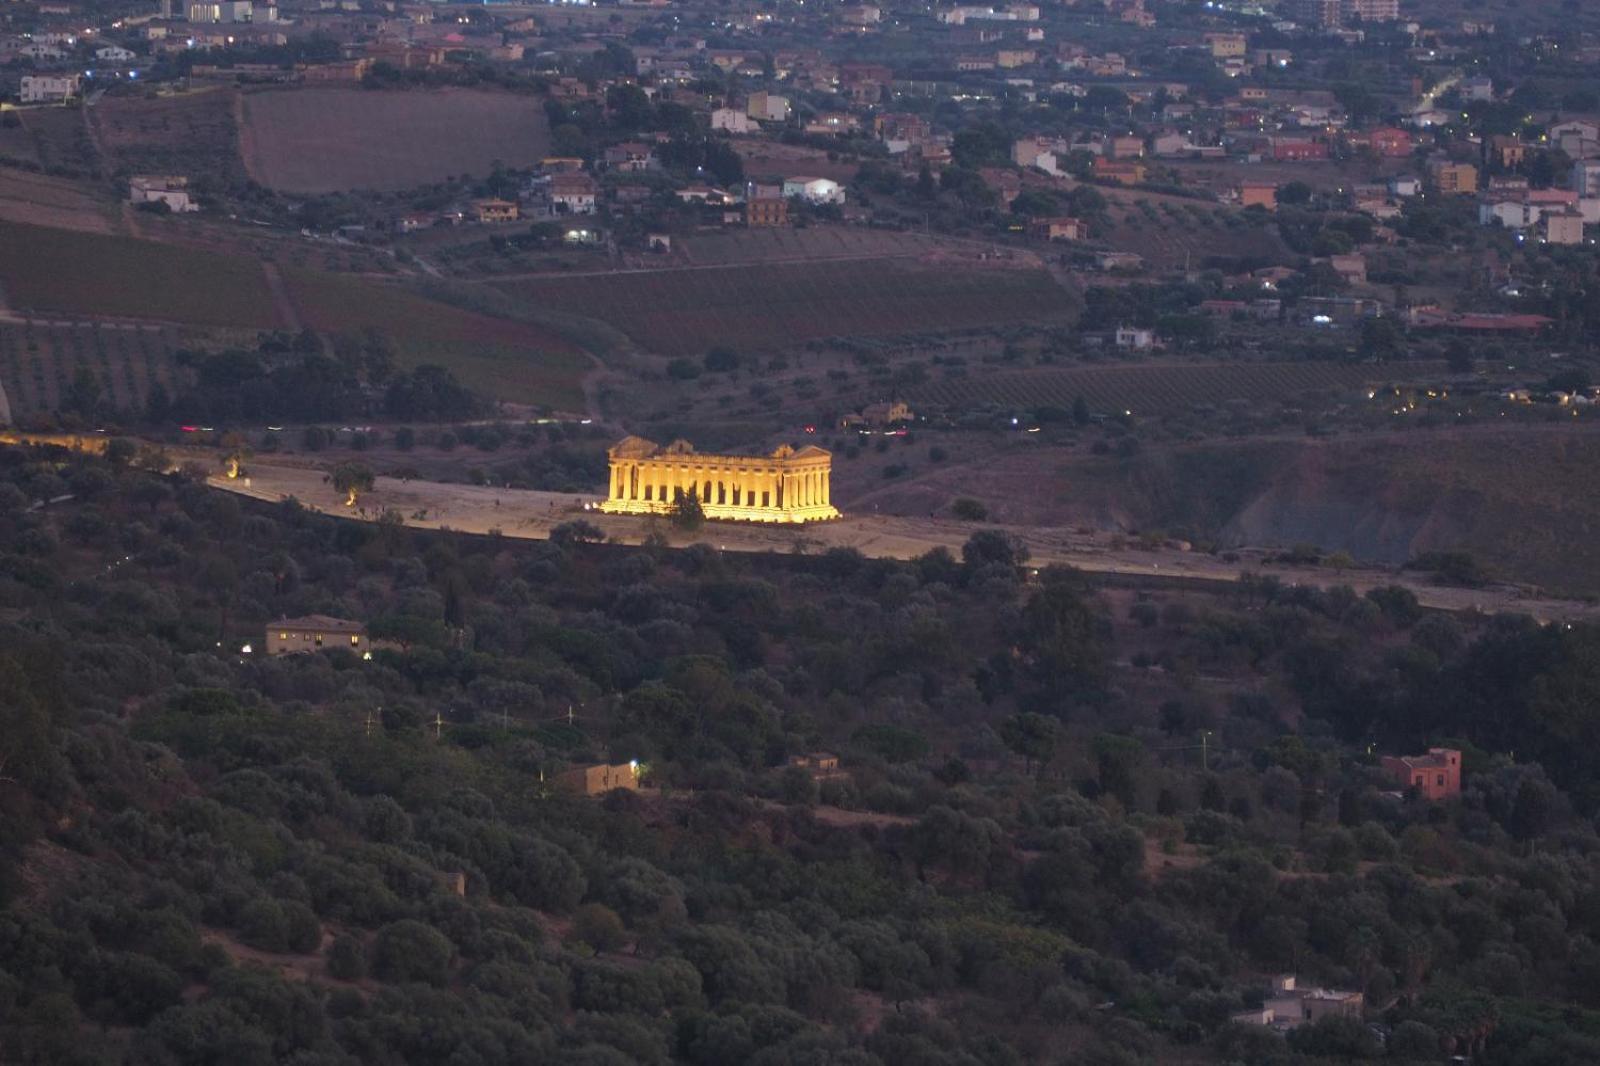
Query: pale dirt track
{"type": "Point", "coordinates": [532, 515]}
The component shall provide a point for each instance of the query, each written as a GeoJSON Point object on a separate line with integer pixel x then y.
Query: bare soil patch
{"type": "Point", "coordinates": [329, 140]}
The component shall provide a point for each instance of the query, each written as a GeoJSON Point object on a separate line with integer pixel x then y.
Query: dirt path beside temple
{"type": "Point", "coordinates": [533, 515]}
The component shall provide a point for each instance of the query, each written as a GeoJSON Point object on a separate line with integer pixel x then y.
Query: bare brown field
{"type": "Point", "coordinates": [57, 202]}
{"type": "Point", "coordinates": [329, 140]}
{"type": "Point", "coordinates": [188, 133]}
{"type": "Point", "coordinates": [39, 362]}
{"type": "Point", "coordinates": [766, 159]}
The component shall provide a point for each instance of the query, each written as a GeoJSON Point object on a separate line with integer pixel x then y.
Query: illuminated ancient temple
{"type": "Point", "coordinates": [786, 486]}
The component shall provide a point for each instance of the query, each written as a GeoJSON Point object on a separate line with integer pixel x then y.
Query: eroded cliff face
{"type": "Point", "coordinates": [1526, 502]}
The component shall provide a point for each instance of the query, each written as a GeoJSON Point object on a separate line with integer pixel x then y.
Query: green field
{"type": "Point", "coordinates": [66, 272]}
{"type": "Point", "coordinates": [767, 307]}
{"type": "Point", "coordinates": [496, 357]}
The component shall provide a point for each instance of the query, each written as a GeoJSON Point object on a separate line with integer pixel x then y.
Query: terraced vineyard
{"type": "Point", "coordinates": [1152, 388]}
{"type": "Point", "coordinates": [754, 308]}
{"type": "Point", "coordinates": [38, 364]}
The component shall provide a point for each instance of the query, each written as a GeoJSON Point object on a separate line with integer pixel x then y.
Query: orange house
{"type": "Point", "coordinates": [1435, 776]}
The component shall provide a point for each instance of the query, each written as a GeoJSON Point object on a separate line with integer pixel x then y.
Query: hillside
{"type": "Point", "coordinates": [212, 855]}
{"type": "Point", "coordinates": [1384, 499]}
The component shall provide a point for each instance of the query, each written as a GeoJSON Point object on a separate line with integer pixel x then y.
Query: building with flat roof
{"type": "Point", "coordinates": [1436, 775]}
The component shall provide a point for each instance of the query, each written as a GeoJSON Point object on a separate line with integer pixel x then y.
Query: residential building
{"type": "Point", "coordinates": [1325, 14]}
{"type": "Point", "coordinates": [1352, 268]}
{"type": "Point", "coordinates": [1058, 229]}
{"type": "Point", "coordinates": [315, 632]}
{"type": "Point", "coordinates": [820, 765]}
{"type": "Point", "coordinates": [1476, 89]}
{"type": "Point", "coordinates": [220, 11]}
{"type": "Point", "coordinates": [1298, 149]}
{"type": "Point", "coordinates": [1404, 186]}
{"type": "Point", "coordinates": [1586, 178]}
{"type": "Point", "coordinates": [600, 778]}
{"type": "Point", "coordinates": [1453, 178]}
{"type": "Point", "coordinates": [766, 211]}
{"type": "Point", "coordinates": [1373, 10]}
{"type": "Point", "coordinates": [1122, 173]}
{"type": "Point", "coordinates": [1562, 227]}
{"type": "Point", "coordinates": [573, 193]}
{"type": "Point", "coordinates": [492, 210]}
{"type": "Point", "coordinates": [630, 157]}
{"type": "Point", "coordinates": [1514, 214]}
{"type": "Point", "coordinates": [732, 120]}
{"type": "Point", "coordinates": [1435, 776]}
{"type": "Point", "coordinates": [1390, 143]}
{"type": "Point", "coordinates": [1288, 1007]}
{"type": "Point", "coordinates": [1126, 147]}
{"type": "Point", "coordinates": [814, 190]}
{"type": "Point", "coordinates": [767, 107]}
{"type": "Point", "coordinates": [1135, 338]}
{"type": "Point", "coordinates": [49, 88]}
{"type": "Point", "coordinates": [1510, 151]}
{"type": "Point", "coordinates": [112, 53]}
{"type": "Point", "coordinates": [833, 122]}
{"type": "Point", "coordinates": [1226, 45]}
{"type": "Point", "coordinates": [169, 189]}
{"type": "Point", "coordinates": [901, 127]}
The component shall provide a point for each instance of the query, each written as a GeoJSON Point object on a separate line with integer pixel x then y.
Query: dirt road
{"type": "Point", "coordinates": [532, 515]}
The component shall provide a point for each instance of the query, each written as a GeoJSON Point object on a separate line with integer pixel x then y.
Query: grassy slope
{"type": "Point", "coordinates": [685, 312]}
{"type": "Point", "coordinates": [497, 357]}
{"type": "Point", "coordinates": [91, 274]}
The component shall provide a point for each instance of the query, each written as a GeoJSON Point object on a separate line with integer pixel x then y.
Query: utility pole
{"type": "Point", "coordinates": [369, 721]}
{"type": "Point", "coordinates": [438, 725]}
{"type": "Point", "coordinates": [1205, 750]}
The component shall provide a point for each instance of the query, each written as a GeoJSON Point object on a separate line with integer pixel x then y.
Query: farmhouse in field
{"type": "Point", "coordinates": [169, 189]}
{"type": "Point", "coordinates": [787, 486]}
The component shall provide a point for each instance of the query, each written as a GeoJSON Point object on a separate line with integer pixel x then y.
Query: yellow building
{"type": "Point", "coordinates": [786, 486]}
{"type": "Point", "coordinates": [600, 778]}
{"type": "Point", "coordinates": [315, 632]}
{"type": "Point", "coordinates": [1454, 178]}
